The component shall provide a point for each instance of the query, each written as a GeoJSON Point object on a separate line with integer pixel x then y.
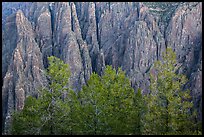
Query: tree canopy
{"type": "Point", "coordinates": [168, 105]}
{"type": "Point", "coordinates": [107, 104]}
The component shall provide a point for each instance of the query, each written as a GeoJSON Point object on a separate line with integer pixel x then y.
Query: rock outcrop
{"type": "Point", "coordinates": [25, 71]}
{"type": "Point", "coordinates": [184, 36]}
{"type": "Point", "coordinates": [58, 33]}
{"type": "Point", "coordinates": [40, 18]}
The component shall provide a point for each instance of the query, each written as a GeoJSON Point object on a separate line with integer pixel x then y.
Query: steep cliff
{"type": "Point", "coordinates": [25, 70]}
{"type": "Point", "coordinates": [184, 35]}
{"type": "Point", "coordinates": [58, 33]}
{"type": "Point", "coordinates": [90, 35]}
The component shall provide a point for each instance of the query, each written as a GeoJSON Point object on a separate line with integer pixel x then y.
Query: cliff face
{"type": "Point", "coordinates": [185, 37]}
{"type": "Point", "coordinates": [90, 35]}
{"type": "Point", "coordinates": [25, 69]}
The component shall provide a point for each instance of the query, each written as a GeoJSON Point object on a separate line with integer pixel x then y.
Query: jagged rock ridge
{"type": "Point", "coordinates": [90, 35]}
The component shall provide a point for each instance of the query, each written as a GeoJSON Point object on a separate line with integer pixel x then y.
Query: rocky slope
{"type": "Point", "coordinates": [185, 37]}
{"type": "Point", "coordinates": [90, 35]}
{"type": "Point", "coordinates": [25, 69]}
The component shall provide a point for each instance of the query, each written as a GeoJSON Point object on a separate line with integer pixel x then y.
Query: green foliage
{"type": "Point", "coordinates": [168, 106]}
{"type": "Point", "coordinates": [107, 103]}
{"type": "Point", "coordinates": [46, 114]}
{"type": "Point", "coordinates": [28, 119]}
{"type": "Point", "coordinates": [58, 73]}
{"type": "Point", "coordinates": [163, 10]}
{"type": "Point", "coordinates": [138, 112]}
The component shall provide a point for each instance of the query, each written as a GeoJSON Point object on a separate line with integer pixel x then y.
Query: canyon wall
{"type": "Point", "coordinates": [90, 35]}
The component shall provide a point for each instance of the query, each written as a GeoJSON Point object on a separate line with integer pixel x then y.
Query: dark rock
{"type": "Point", "coordinates": [90, 35]}
{"type": "Point", "coordinates": [25, 71]}
{"type": "Point", "coordinates": [184, 36]}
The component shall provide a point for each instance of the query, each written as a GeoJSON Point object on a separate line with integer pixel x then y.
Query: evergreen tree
{"type": "Point", "coordinates": [119, 95]}
{"type": "Point", "coordinates": [168, 105]}
{"type": "Point", "coordinates": [138, 111]}
{"type": "Point", "coordinates": [162, 10]}
{"type": "Point", "coordinates": [91, 100]}
{"type": "Point", "coordinates": [104, 106]}
{"type": "Point", "coordinates": [46, 114]}
{"type": "Point", "coordinates": [28, 120]}
{"type": "Point", "coordinates": [107, 103]}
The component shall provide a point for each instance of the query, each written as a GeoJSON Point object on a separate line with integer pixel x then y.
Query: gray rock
{"type": "Point", "coordinates": [24, 76]}
{"type": "Point", "coordinates": [184, 36]}
{"type": "Point", "coordinates": [90, 35]}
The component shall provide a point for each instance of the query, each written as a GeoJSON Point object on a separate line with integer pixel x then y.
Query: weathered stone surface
{"type": "Point", "coordinates": [58, 33]}
{"type": "Point", "coordinates": [69, 45]}
{"type": "Point", "coordinates": [9, 39]}
{"type": "Point", "coordinates": [88, 25]}
{"type": "Point", "coordinates": [71, 55]}
{"type": "Point", "coordinates": [140, 54]}
{"type": "Point", "coordinates": [131, 39]}
{"type": "Point", "coordinates": [9, 8]}
{"type": "Point", "coordinates": [24, 75]}
{"type": "Point", "coordinates": [40, 17]}
{"type": "Point", "coordinates": [90, 35]}
{"type": "Point", "coordinates": [100, 62]}
{"type": "Point", "coordinates": [184, 36]}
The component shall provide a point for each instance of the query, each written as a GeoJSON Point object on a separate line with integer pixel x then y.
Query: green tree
{"type": "Point", "coordinates": [119, 95]}
{"type": "Point", "coordinates": [91, 100]}
{"type": "Point", "coordinates": [138, 111]}
{"type": "Point", "coordinates": [104, 106]}
{"type": "Point", "coordinates": [107, 102]}
{"type": "Point", "coordinates": [162, 10]}
{"type": "Point", "coordinates": [28, 120]}
{"type": "Point", "coordinates": [168, 106]}
{"type": "Point", "coordinates": [47, 113]}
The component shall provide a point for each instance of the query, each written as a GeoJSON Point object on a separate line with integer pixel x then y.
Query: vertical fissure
{"type": "Point", "coordinates": [97, 21]}
{"type": "Point", "coordinates": [51, 9]}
